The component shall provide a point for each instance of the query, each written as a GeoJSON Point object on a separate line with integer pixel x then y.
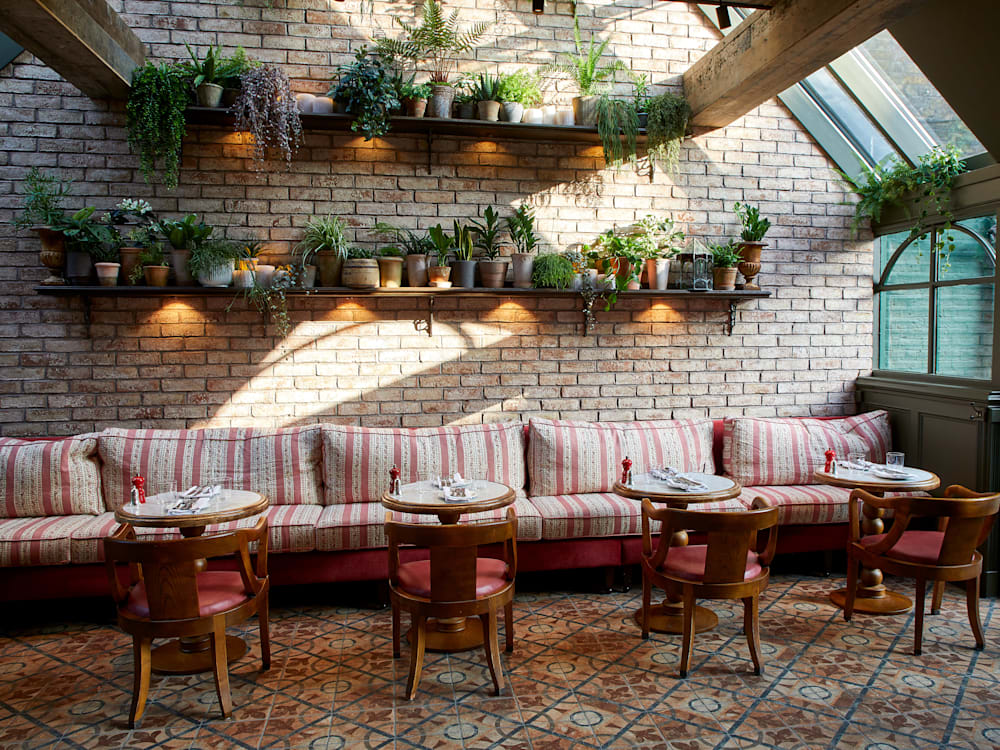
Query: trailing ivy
{"type": "Point", "coordinates": [665, 127]}
{"type": "Point", "coordinates": [618, 127]}
{"type": "Point", "coordinates": [155, 120]}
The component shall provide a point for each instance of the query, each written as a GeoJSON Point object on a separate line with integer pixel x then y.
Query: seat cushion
{"type": "Point", "coordinates": [50, 477]}
{"type": "Point", "coordinates": [218, 591]}
{"type": "Point", "coordinates": [356, 460]}
{"type": "Point", "coordinates": [38, 541]}
{"type": "Point", "coordinates": [803, 504]}
{"type": "Point", "coordinates": [923, 547]}
{"type": "Point", "coordinates": [491, 577]}
{"type": "Point", "coordinates": [688, 563]}
{"type": "Point", "coordinates": [759, 451]}
{"type": "Point", "coordinates": [282, 464]}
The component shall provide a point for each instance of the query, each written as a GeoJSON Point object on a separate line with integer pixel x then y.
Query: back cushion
{"type": "Point", "coordinates": [50, 477]}
{"type": "Point", "coordinates": [572, 457]}
{"type": "Point", "coordinates": [788, 451]}
{"type": "Point", "coordinates": [282, 464]}
{"type": "Point", "coordinates": [356, 460]}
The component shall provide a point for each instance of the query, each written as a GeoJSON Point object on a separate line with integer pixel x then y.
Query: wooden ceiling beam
{"type": "Point", "coordinates": [84, 41]}
{"type": "Point", "coordinates": [772, 50]}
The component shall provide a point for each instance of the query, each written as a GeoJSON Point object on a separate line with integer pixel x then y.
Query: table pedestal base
{"type": "Point", "coordinates": [667, 617]}
{"type": "Point", "coordinates": [193, 655]}
{"type": "Point", "coordinates": [449, 636]}
{"type": "Point", "coordinates": [875, 600]}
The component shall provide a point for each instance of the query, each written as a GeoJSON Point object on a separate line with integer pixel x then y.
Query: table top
{"type": "Point", "coordinates": [644, 486]}
{"type": "Point", "coordinates": [424, 497]}
{"type": "Point", "coordinates": [228, 505]}
{"type": "Point", "coordinates": [863, 480]}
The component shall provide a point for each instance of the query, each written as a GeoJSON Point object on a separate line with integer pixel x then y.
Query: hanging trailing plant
{"type": "Point", "coordinates": [618, 127]}
{"type": "Point", "coordinates": [266, 108]}
{"type": "Point", "coordinates": [155, 120]}
{"type": "Point", "coordinates": [665, 128]}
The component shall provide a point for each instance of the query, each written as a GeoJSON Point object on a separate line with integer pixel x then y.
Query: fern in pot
{"type": "Point", "coordinates": [585, 70]}
{"type": "Point", "coordinates": [325, 240]}
{"type": "Point", "coordinates": [43, 197]}
{"type": "Point", "coordinates": [521, 226]}
{"type": "Point", "coordinates": [213, 261]}
{"type": "Point", "coordinates": [492, 270]}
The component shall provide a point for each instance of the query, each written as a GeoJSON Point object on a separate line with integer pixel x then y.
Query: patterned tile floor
{"type": "Point", "coordinates": [580, 676]}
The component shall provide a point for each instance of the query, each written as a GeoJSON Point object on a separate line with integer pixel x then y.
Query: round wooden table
{"type": "Point", "coordinates": [873, 597]}
{"type": "Point", "coordinates": [192, 655]}
{"type": "Point", "coordinates": [667, 616]}
{"type": "Point", "coordinates": [450, 634]}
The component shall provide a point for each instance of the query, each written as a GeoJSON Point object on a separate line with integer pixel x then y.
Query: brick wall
{"type": "Point", "coordinates": [194, 362]}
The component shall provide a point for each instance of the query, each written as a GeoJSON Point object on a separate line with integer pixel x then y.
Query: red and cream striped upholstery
{"type": "Point", "coordinates": [759, 451]}
{"type": "Point", "coordinates": [566, 458]}
{"type": "Point", "coordinates": [356, 460]}
{"type": "Point", "coordinates": [49, 477]}
{"type": "Point", "coordinates": [38, 541]}
{"type": "Point", "coordinates": [281, 464]}
{"type": "Point", "coordinates": [803, 504]}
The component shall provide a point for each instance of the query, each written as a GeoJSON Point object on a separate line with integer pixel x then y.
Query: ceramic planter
{"type": "Point", "coordinates": [467, 110]}
{"type": "Point", "coordinates": [524, 265]}
{"type": "Point", "coordinates": [243, 278]}
{"type": "Point", "coordinates": [416, 270]}
{"type": "Point", "coordinates": [658, 272]}
{"type": "Point", "coordinates": [330, 264]}
{"type": "Point", "coordinates": [488, 111]}
{"type": "Point", "coordinates": [513, 111]}
{"type": "Point", "coordinates": [79, 267]}
{"type": "Point", "coordinates": [390, 272]}
{"type": "Point", "coordinates": [308, 278]}
{"type": "Point", "coordinates": [130, 259]}
{"type": "Point", "coordinates": [156, 275]}
{"type": "Point", "coordinates": [209, 95]}
{"type": "Point", "coordinates": [361, 273]}
{"type": "Point", "coordinates": [749, 264]}
{"type": "Point", "coordinates": [442, 95]}
{"type": "Point", "coordinates": [415, 107]}
{"type": "Point", "coordinates": [463, 273]}
{"type": "Point", "coordinates": [724, 278]}
{"type": "Point", "coordinates": [264, 275]}
{"type": "Point", "coordinates": [585, 110]}
{"type": "Point", "coordinates": [52, 255]}
{"type": "Point", "coordinates": [107, 273]}
{"type": "Point", "coordinates": [218, 276]}
{"type": "Point", "coordinates": [493, 273]}
{"type": "Point", "coordinates": [179, 262]}
{"type": "Point", "coordinates": [438, 276]}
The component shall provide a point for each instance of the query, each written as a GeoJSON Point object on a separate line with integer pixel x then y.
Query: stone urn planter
{"type": "Point", "coordinates": [52, 255]}
{"type": "Point", "coordinates": [437, 276]}
{"type": "Point", "coordinates": [488, 111]}
{"type": "Point", "coordinates": [107, 273]}
{"type": "Point", "coordinates": [209, 95]}
{"type": "Point", "coordinates": [585, 110]}
{"type": "Point", "coordinates": [156, 275]}
{"type": "Point", "coordinates": [130, 259]}
{"type": "Point", "coordinates": [361, 273]}
{"type": "Point", "coordinates": [658, 272]}
{"type": "Point", "coordinates": [524, 265]}
{"type": "Point", "coordinates": [724, 279]}
{"type": "Point", "coordinates": [749, 265]}
{"type": "Point", "coordinates": [442, 95]}
{"type": "Point", "coordinates": [390, 272]}
{"type": "Point", "coordinates": [416, 269]}
{"type": "Point", "coordinates": [330, 265]}
{"type": "Point", "coordinates": [463, 273]}
{"type": "Point", "coordinates": [493, 273]}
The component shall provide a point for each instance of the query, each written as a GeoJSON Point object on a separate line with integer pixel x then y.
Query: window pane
{"type": "Point", "coordinates": [970, 258]}
{"type": "Point", "coordinates": [841, 107]}
{"type": "Point", "coordinates": [913, 265]}
{"type": "Point", "coordinates": [902, 330]}
{"type": "Point", "coordinates": [964, 331]}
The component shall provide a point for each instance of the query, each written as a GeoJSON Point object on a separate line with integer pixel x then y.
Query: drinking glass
{"type": "Point", "coordinates": [894, 459]}
{"type": "Point", "coordinates": [856, 460]}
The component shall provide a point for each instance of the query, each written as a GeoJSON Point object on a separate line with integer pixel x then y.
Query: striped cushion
{"type": "Point", "coordinates": [362, 525]}
{"type": "Point", "coordinates": [38, 541]}
{"type": "Point", "coordinates": [787, 451]}
{"type": "Point", "coordinates": [281, 464]}
{"type": "Point", "coordinates": [602, 514]}
{"type": "Point", "coordinates": [50, 477]}
{"type": "Point", "coordinates": [356, 460]}
{"type": "Point", "coordinates": [571, 457]}
{"type": "Point", "coordinates": [803, 504]}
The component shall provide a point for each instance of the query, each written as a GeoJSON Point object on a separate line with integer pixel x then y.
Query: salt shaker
{"type": "Point", "coordinates": [627, 472]}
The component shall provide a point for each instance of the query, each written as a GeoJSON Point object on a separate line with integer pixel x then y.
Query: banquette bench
{"type": "Point", "coordinates": [58, 496]}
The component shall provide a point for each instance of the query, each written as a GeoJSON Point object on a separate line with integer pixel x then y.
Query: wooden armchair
{"type": "Point", "coordinates": [730, 566]}
{"type": "Point", "coordinates": [170, 596]}
{"type": "Point", "coordinates": [964, 519]}
{"type": "Point", "coordinates": [455, 582]}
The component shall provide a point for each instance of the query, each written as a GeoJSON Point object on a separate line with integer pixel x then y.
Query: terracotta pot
{"type": "Point", "coordinates": [585, 110]}
{"type": "Point", "coordinates": [416, 270]}
{"type": "Point", "coordinates": [493, 273]}
{"type": "Point", "coordinates": [330, 265]}
{"type": "Point", "coordinates": [264, 274]}
{"type": "Point", "coordinates": [209, 95]}
{"type": "Point", "coordinates": [442, 95]}
{"type": "Point", "coordinates": [524, 264]}
{"type": "Point", "coordinates": [463, 273]}
{"type": "Point", "coordinates": [724, 278]}
{"type": "Point", "coordinates": [390, 272]}
{"type": "Point", "coordinates": [52, 255]}
{"type": "Point", "coordinates": [658, 272]}
{"type": "Point", "coordinates": [179, 262]}
{"type": "Point", "coordinates": [488, 111]}
{"type": "Point", "coordinates": [360, 273]}
{"type": "Point", "coordinates": [513, 111]}
{"type": "Point", "coordinates": [218, 276]}
{"type": "Point", "coordinates": [749, 265]}
{"type": "Point", "coordinates": [79, 267]}
{"type": "Point", "coordinates": [622, 267]}
{"type": "Point", "coordinates": [107, 273]}
{"type": "Point", "coordinates": [130, 259]}
{"type": "Point", "coordinates": [415, 107]}
{"type": "Point", "coordinates": [308, 277]}
{"type": "Point", "coordinates": [438, 275]}
{"type": "Point", "coordinates": [156, 275]}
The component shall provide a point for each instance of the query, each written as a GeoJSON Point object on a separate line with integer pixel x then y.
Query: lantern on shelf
{"type": "Point", "coordinates": [701, 267]}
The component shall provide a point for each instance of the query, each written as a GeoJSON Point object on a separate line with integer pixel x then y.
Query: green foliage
{"type": "Point", "coordinates": [521, 225]}
{"type": "Point", "coordinates": [552, 271]}
{"type": "Point", "coordinates": [666, 125]}
{"type": "Point", "coordinates": [93, 236]}
{"type": "Point", "coordinates": [251, 249]}
{"type": "Point", "coordinates": [584, 67]}
{"type": "Point", "coordinates": [487, 233]}
{"type": "Point", "coordinates": [442, 242]}
{"type": "Point", "coordinates": [43, 197]}
{"type": "Point", "coordinates": [435, 40]}
{"type": "Point", "coordinates": [412, 243]}
{"type": "Point", "coordinates": [151, 255]}
{"type": "Point", "coordinates": [725, 255]}
{"type": "Point", "coordinates": [390, 251]}
{"type": "Point", "coordinates": [155, 120]}
{"type": "Point", "coordinates": [271, 301]}
{"type": "Point", "coordinates": [367, 90]}
{"type": "Point", "coordinates": [324, 233]}
{"type": "Point", "coordinates": [641, 83]}
{"type": "Point", "coordinates": [754, 227]}
{"type": "Point", "coordinates": [361, 252]}
{"type": "Point", "coordinates": [522, 86]}
{"type": "Point", "coordinates": [411, 90]}
{"type": "Point", "coordinates": [205, 70]}
{"type": "Point", "coordinates": [185, 234]}
{"type": "Point", "coordinates": [462, 240]}
{"type": "Point", "coordinates": [229, 69]}
{"type": "Point", "coordinates": [618, 127]}
{"type": "Point", "coordinates": [486, 88]}
{"type": "Point", "coordinates": [212, 253]}
{"type": "Point", "coordinates": [658, 237]}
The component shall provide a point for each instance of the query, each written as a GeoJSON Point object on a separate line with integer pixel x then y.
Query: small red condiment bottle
{"type": "Point", "coordinates": [138, 490]}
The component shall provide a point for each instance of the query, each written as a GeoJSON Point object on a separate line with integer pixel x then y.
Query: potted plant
{"type": "Point", "coordinates": [640, 102]}
{"type": "Point", "coordinates": [492, 270]}
{"type": "Point", "coordinates": [367, 91]}
{"type": "Point", "coordinates": [153, 265]}
{"type": "Point", "coordinates": [390, 267]}
{"type": "Point", "coordinates": [521, 225]}
{"type": "Point", "coordinates": [204, 76]}
{"type": "Point", "coordinates": [585, 69]}
{"type": "Point", "coordinates": [271, 301]}
{"type": "Point", "coordinates": [266, 108]}
{"type": "Point", "coordinates": [325, 238]}
{"type": "Point", "coordinates": [437, 39]}
{"type": "Point", "coordinates": [618, 127]}
{"type": "Point", "coordinates": [361, 270]}
{"type": "Point", "coordinates": [415, 246]}
{"type": "Point", "coordinates": [465, 105]}
{"type": "Point", "coordinates": [666, 125]}
{"type": "Point", "coordinates": [184, 235]}
{"type": "Point", "coordinates": [42, 213]}
{"type": "Point", "coordinates": [106, 261]}
{"type": "Point", "coordinates": [135, 237]}
{"type": "Point", "coordinates": [414, 97]}
{"type": "Point", "coordinates": [213, 261]}
{"type": "Point", "coordinates": [552, 271]}
{"type": "Point", "coordinates": [228, 73]}
{"type": "Point", "coordinates": [307, 268]}
{"type": "Point", "coordinates": [155, 120]}
{"type": "Point", "coordinates": [519, 91]}
{"type": "Point", "coordinates": [751, 245]}
{"type": "Point", "coordinates": [84, 236]}
{"type": "Point", "coordinates": [438, 275]}
{"type": "Point", "coordinates": [486, 92]}
{"type": "Point", "coordinates": [724, 260]}
{"type": "Point", "coordinates": [463, 267]}
{"type": "Point", "coordinates": [659, 241]}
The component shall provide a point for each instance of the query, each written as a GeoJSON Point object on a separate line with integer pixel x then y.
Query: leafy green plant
{"type": "Point", "coordinates": [390, 251]}
{"type": "Point", "coordinates": [229, 69]}
{"type": "Point", "coordinates": [521, 225]}
{"type": "Point", "coordinates": [657, 237]}
{"type": "Point", "coordinates": [487, 233]}
{"type": "Point", "coordinates": [152, 255]}
{"type": "Point", "coordinates": [666, 124]}
{"type": "Point", "coordinates": [552, 271]}
{"type": "Point", "coordinates": [486, 88]}
{"type": "Point", "coordinates": [203, 70]}
{"type": "Point", "coordinates": [641, 100]}
{"type": "Point", "coordinates": [271, 301]}
{"type": "Point", "coordinates": [360, 252]}
{"type": "Point", "coordinates": [367, 90]}
{"type": "Point", "coordinates": [88, 234]}
{"type": "Point", "coordinates": [725, 255]}
{"type": "Point", "coordinates": [522, 86]}
{"type": "Point", "coordinates": [155, 120]}
{"type": "Point", "coordinates": [411, 90]}
{"type": "Point", "coordinates": [412, 243]}
{"type": "Point", "coordinates": [185, 234]}
{"type": "Point", "coordinates": [584, 66]}
{"type": "Point", "coordinates": [442, 242]}
{"type": "Point", "coordinates": [43, 197]}
{"type": "Point", "coordinates": [618, 127]}
{"type": "Point", "coordinates": [754, 227]}
{"type": "Point", "coordinates": [437, 40]}
{"type": "Point", "coordinates": [462, 240]}
{"type": "Point", "coordinates": [212, 253]}
{"type": "Point", "coordinates": [321, 234]}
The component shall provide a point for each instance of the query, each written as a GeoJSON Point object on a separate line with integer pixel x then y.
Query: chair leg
{"type": "Point", "coordinates": [265, 629]}
{"type": "Point", "coordinates": [852, 586]}
{"type": "Point", "coordinates": [751, 627]}
{"type": "Point", "coordinates": [688, 636]}
{"type": "Point", "coordinates": [492, 648]}
{"type": "Point", "coordinates": [937, 597]}
{"type": "Point", "coordinates": [416, 655]}
{"type": "Point", "coordinates": [141, 648]}
{"type": "Point", "coordinates": [647, 595]}
{"type": "Point", "coordinates": [972, 603]}
{"type": "Point", "coordinates": [220, 667]}
{"type": "Point", "coordinates": [918, 617]}
{"type": "Point", "coordinates": [508, 618]}
{"type": "Point", "coordinates": [395, 630]}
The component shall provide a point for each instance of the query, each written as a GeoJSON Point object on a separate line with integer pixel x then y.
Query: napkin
{"type": "Point", "coordinates": [677, 480]}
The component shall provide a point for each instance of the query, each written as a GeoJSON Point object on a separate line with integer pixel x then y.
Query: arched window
{"type": "Point", "coordinates": [934, 300]}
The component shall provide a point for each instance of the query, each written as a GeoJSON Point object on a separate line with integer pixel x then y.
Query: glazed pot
{"type": "Point", "coordinates": [52, 255]}
{"type": "Point", "coordinates": [513, 111]}
{"type": "Point", "coordinates": [130, 259]}
{"type": "Point", "coordinates": [330, 264]}
{"type": "Point", "coordinates": [488, 111]}
{"type": "Point", "coordinates": [361, 273]}
{"type": "Point", "coordinates": [524, 265]}
{"type": "Point", "coordinates": [658, 272]}
{"type": "Point", "coordinates": [438, 275]}
{"type": "Point", "coordinates": [107, 273]}
{"type": "Point", "coordinates": [467, 110]}
{"type": "Point", "coordinates": [442, 95]}
{"type": "Point", "coordinates": [308, 277]}
{"type": "Point", "coordinates": [724, 278]}
{"type": "Point", "coordinates": [219, 276]}
{"type": "Point", "coordinates": [179, 262]}
{"type": "Point", "coordinates": [749, 265]}
{"type": "Point", "coordinates": [493, 273]}
{"type": "Point", "coordinates": [264, 274]}
{"type": "Point", "coordinates": [209, 94]}
{"type": "Point", "coordinates": [585, 110]}
{"type": "Point", "coordinates": [463, 273]}
{"type": "Point", "coordinates": [415, 107]}
{"type": "Point", "coordinates": [79, 267]}
{"type": "Point", "coordinates": [156, 275]}
{"type": "Point", "coordinates": [416, 270]}
{"type": "Point", "coordinates": [390, 272]}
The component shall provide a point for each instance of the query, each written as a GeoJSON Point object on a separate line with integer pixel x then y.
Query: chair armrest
{"type": "Point", "coordinates": [769, 546]}
{"type": "Point", "coordinates": [253, 575]}
{"type": "Point", "coordinates": [123, 533]}
{"type": "Point", "coordinates": [512, 546]}
{"type": "Point", "coordinates": [957, 490]}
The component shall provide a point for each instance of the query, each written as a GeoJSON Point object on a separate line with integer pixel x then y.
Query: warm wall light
{"type": "Point", "coordinates": [537, 6]}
